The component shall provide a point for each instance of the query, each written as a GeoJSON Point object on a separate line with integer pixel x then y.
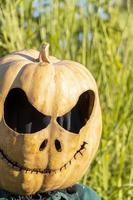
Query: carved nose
{"type": "Point", "coordinates": [43, 145]}
{"type": "Point", "coordinates": [58, 145]}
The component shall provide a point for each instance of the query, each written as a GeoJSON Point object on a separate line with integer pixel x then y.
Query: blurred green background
{"type": "Point", "coordinates": [98, 34]}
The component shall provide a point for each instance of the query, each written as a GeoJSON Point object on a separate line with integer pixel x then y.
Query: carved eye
{"type": "Point", "coordinates": [20, 115]}
{"type": "Point", "coordinates": [74, 120]}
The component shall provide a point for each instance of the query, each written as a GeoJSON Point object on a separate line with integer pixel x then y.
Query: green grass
{"type": "Point", "coordinates": [108, 55]}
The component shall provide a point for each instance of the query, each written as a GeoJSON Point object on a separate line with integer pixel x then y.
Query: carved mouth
{"type": "Point", "coordinates": [48, 171]}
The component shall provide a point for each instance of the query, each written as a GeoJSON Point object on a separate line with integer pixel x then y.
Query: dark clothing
{"type": "Point", "coordinates": [77, 192]}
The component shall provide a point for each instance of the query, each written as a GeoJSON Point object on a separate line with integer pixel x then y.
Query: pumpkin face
{"type": "Point", "coordinates": [50, 122]}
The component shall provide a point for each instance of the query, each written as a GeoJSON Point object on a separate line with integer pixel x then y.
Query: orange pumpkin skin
{"type": "Point", "coordinates": [53, 87]}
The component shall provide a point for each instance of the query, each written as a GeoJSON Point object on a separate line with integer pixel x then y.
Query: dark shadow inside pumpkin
{"type": "Point", "coordinates": [74, 120]}
{"type": "Point", "coordinates": [20, 115]}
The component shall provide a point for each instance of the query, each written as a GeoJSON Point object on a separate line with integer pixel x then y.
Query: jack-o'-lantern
{"type": "Point", "coordinates": [50, 121]}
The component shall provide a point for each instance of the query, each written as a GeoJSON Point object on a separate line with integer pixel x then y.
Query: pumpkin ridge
{"type": "Point", "coordinates": [47, 171]}
{"type": "Point", "coordinates": [18, 66]}
{"type": "Point", "coordinates": [26, 57]}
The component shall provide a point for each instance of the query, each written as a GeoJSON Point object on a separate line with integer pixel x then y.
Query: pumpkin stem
{"type": "Point", "coordinates": [44, 53]}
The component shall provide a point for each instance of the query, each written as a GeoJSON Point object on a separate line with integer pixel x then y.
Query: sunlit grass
{"type": "Point", "coordinates": [104, 43]}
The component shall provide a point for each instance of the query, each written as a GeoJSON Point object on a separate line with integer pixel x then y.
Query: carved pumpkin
{"type": "Point", "coordinates": [50, 122]}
